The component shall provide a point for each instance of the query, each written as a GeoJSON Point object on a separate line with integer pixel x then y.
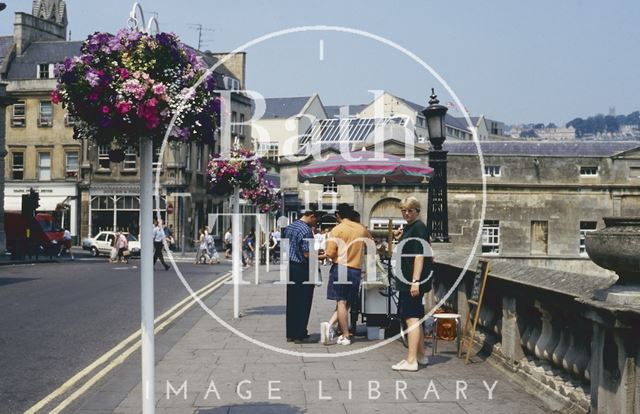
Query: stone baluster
{"type": "Point", "coordinates": [497, 328]}
{"type": "Point", "coordinates": [510, 328]}
{"type": "Point", "coordinates": [572, 354]}
{"type": "Point", "coordinates": [533, 338]}
{"type": "Point", "coordinates": [583, 350]}
{"type": "Point", "coordinates": [549, 337]}
{"type": "Point", "coordinates": [562, 347]}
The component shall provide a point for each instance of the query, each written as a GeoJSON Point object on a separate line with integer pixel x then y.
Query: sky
{"type": "Point", "coordinates": [516, 62]}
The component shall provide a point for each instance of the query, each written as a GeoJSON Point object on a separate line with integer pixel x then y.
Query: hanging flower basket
{"type": "Point", "coordinates": [240, 168]}
{"type": "Point", "coordinates": [244, 169]}
{"type": "Point", "coordinates": [130, 85]}
{"type": "Point", "coordinates": [265, 197]}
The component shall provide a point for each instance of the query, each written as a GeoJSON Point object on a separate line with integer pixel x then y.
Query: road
{"type": "Point", "coordinates": [57, 318]}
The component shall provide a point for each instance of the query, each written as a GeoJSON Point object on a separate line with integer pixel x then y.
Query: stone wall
{"type": "Point", "coordinates": [533, 323]}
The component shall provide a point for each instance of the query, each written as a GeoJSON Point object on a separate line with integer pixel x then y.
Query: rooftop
{"type": "Point", "coordinates": [284, 107]}
{"type": "Point", "coordinates": [543, 148]}
{"type": "Point", "coordinates": [24, 67]}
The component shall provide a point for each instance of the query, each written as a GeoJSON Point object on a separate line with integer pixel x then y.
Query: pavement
{"type": "Point", "coordinates": [203, 367]}
{"type": "Point", "coordinates": [80, 254]}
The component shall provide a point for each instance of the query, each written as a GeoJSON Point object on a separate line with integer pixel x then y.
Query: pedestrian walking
{"type": "Point", "coordinates": [113, 256]}
{"type": "Point", "coordinates": [212, 253]}
{"type": "Point", "coordinates": [201, 247]}
{"type": "Point", "coordinates": [158, 243]}
{"type": "Point", "coordinates": [412, 283]}
{"type": "Point", "coordinates": [345, 248]}
{"type": "Point", "coordinates": [228, 243]}
{"type": "Point", "coordinates": [66, 244]}
{"type": "Point", "coordinates": [299, 293]}
{"type": "Point", "coordinates": [122, 244]}
{"type": "Point", "coordinates": [248, 248]}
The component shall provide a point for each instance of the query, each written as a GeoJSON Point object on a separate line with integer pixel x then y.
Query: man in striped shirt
{"type": "Point", "coordinates": [299, 293]}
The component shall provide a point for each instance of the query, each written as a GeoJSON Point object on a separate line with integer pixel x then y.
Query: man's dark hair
{"type": "Point", "coordinates": [313, 210]}
{"type": "Point", "coordinates": [345, 211]}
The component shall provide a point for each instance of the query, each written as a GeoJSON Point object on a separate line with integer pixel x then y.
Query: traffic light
{"type": "Point", "coordinates": [30, 203]}
{"type": "Point", "coordinates": [27, 210]}
{"type": "Point", "coordinates": [35, 199]}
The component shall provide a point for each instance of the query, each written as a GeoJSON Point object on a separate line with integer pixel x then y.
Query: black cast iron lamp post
{"type": "Point", "coordinates": [2, 6]}
{"type": "Point", "coordinates": [438, 216]}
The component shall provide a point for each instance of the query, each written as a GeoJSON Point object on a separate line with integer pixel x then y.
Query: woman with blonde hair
{"type": "Point", "coordinates": [412, 282]}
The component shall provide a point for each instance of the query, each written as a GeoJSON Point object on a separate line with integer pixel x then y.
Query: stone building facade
{"type": "Point", "coordinates": [41, 152]}
{"type": "Point", "coordinates": [75, 178]}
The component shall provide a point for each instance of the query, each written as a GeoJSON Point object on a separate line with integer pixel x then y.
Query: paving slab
{"type": "Point", "coordinates": [207, 357]}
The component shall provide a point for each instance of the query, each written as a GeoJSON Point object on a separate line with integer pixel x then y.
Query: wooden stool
{"type": "Point", "coordinates": [436, 317]}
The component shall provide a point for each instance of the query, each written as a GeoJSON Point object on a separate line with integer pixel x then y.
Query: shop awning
{"type": "Point", "coordinates": [46, 203]}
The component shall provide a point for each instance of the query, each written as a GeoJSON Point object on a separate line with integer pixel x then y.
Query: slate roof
{"type": "Point", "coordinates": [5, 46]}
{"type": "Point", "coordinates": [413, 105]}
{"type": "Point", "coordinates": [24, 67]}
{"type": "Point", "coordinates": [334, 110]}
{"type": "Point", "coordinates": [284, 107]}
{"type": "Point", "coordinates": [459, 123]}
{"type": "Point", "coordinates": [544, 148]}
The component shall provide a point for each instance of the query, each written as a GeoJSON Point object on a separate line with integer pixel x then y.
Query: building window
{"type": "Point", "coordinates": [234, 120]}
{"type": "Point", "coordinates": [634, 172]}
{"type": "Point", "coordinates": [420, 121]}
{"type": "Point", "coordinates": [268, 150]}
{"type": "Point", "coordinates": [18, 117]}
{"type": "Point", "coordinates": [44, 166]}
{"type": "Point", "coordinates": [45, 71]}
{"type": "Point", "coordinates": [156, 157]}
{"type": "Point", "coordinates": [72, 163]}
{"type": "Point", "coordinates": [491, 237]}
{"type": "Point", "coordinates": [588, 171]}
{"type": "Point", "coordinates": [103, 157]}
{"type": "Point", "coordinates": [199, 158]}
{"type": "Point", "coordinates": [331, 188]}
{"type": "Point", "coordinates": [241, 125]}
{"type": "Point", "coordinates": [17, 166]}
{"type": "Point", "coordinates": [70, 120]}
{"type": "Point", "coordinates": [45, 119]}
{"type": "Point", "coordinates": [187, 158]}
{"type": "Point", "coordinates": [586, 227]}
{"type": "Point", "coordinates": [130, 159]}
{"type": "Point", "coordinates": [539, 237]}
{"type": "Point", "coordinates": [492, 171]}
{"type": "Point", "coordinates": [231, 84]}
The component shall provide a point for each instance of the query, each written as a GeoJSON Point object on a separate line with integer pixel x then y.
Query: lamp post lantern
{"type": "Point", "coordinates": [2, 6]}
{"type": "Point", "coordinates": [438, 215]}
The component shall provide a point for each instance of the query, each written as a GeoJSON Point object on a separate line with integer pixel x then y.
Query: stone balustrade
{"type": "Point", "coordinates": [537, 324]}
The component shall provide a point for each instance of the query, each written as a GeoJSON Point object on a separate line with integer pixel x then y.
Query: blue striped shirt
{"type": "Point", "coordinates": [297, 232]}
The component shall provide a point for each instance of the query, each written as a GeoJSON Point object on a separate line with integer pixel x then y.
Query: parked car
{"type": "Point", "coordinates": [101, 243]}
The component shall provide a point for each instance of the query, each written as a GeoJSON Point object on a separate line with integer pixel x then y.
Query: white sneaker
{"type": "Point", "coordinates": [423, 361]}
{"type": "Point", "coordinates": [405, 366]}
{"type": "Point", "coordinates": [324, 333]}
{"type": "Point", "coordinates": [344, 341]}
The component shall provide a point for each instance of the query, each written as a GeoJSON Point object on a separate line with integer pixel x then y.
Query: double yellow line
{"type": "Point", "coordinates": [121, 352]}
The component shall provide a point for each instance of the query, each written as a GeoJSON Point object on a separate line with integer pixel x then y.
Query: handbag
{"type": "Point", "coordinates": [126, 253]}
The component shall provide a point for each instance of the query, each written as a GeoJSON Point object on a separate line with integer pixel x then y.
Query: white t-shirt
{"type": "Point", "coordinates": [227, 237]}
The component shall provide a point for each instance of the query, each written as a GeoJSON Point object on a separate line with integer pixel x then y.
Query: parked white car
{"type": "Point", "coordinates": [101, 244]}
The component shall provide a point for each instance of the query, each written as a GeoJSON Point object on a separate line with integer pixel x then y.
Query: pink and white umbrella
{"type": "Point", "coordinates": [366, 171]}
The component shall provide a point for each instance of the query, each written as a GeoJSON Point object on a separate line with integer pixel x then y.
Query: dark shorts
{"type": "Point", "coordinates": [344, 291]}
{"type": "Point", "coordinates": [410, 307]}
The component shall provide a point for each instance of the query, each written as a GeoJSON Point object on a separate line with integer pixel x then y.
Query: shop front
{"type": "Point", "coordinates": [61, 199]}
{"type": "Point", "coordinates": [117, 208]}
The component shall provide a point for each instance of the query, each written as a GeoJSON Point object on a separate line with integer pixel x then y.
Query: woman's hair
{"type": "Point", "coordinates": [410, 202]}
